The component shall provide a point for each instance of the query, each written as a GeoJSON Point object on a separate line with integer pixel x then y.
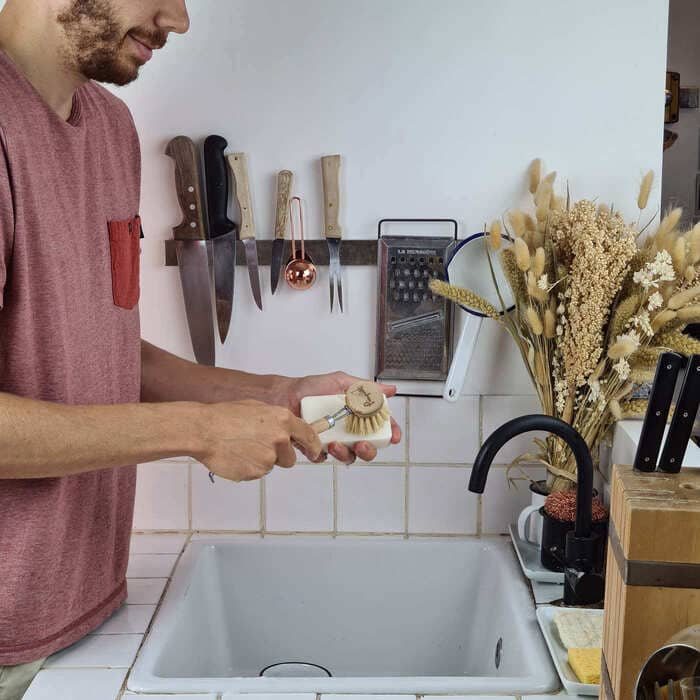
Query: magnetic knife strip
{"type": "Point", "coordinates": [353, 252]}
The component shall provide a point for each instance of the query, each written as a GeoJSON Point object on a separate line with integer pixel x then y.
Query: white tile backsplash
{"type": "Point", "coordinates": [396, 453]}
{"type": "Point", "coordinates": [371, 499]}
{"type": "Point", "coordinates": [502, 502]}
{"type": "Point", "coordinates": [77, 684]}
{"type": "Point", "coordinates": [150, 565]}
{"type": "Point", "coordinates": [299, 499]}
{"type": "Point", "coordinates": [439, 503]}
{"type": "Point", "coordinates": [224, 505]}
{"type": "Point", "coordinates": [157, 544]}
{"type": "Point", "coordinates": [497, 410]}
{"type": "Point", "coordinates": [98, 651]}
{"type": "Point", "coordinates": [129, 619]}
{"type": "Point", "coordinates": [162, 496]}
{"type": "Point", "coordinates": [444, 432]}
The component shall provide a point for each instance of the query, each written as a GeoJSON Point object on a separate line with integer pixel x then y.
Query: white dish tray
{"type": "Point", "coordinates": [545, 618]}
{"type": "Point", "coordinates": [529, 558]}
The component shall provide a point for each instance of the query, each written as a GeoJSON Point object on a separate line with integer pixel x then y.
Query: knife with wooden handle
{"type": "Point", "coordinates": [192, 248]}
{"type": "Point", "coordinates": [238, 162]}
{"type": "Point", "coordinates": [332, 232]}
{"type": "Point", "coordinates": [683, 419]}
{"type": "Point", "coordinates": [284, 191]}
{"type": "Point", "coordinates": [662, 390]}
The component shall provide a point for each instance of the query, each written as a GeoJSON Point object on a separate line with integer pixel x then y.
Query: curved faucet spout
{"type": "Point", "coordinates": [582, 455]}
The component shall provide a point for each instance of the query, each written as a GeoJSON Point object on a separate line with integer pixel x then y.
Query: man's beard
{"type": "Point", "coordinates": [95, 39]}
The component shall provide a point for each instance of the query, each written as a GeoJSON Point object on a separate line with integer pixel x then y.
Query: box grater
{"type": "Point", "coordinates": [414, 327]}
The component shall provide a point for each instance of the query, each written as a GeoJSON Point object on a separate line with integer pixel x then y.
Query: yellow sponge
{"type": "Point", "coordinates": [586, 664]}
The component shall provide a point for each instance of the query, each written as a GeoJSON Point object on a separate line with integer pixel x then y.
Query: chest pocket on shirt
{"type": "Point", "coordinates": [124, 249]}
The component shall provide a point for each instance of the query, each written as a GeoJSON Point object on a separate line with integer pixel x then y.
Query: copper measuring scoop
{"type": "Point", "coordinates": [300, 271]}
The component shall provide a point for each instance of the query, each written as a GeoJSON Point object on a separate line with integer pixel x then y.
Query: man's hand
{"type": "Point", "coordinates": [337, 383]}
{"type": "Point", "coordinates": [244, 440]}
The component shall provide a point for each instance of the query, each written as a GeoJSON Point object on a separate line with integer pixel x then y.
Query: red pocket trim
{"type": "Point", "coordinates": [124, 249]}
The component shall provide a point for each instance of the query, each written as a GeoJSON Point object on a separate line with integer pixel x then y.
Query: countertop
{"type": "Point", "coordinates": [96, 668]}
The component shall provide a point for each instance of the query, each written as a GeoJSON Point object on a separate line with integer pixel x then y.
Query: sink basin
{"type": "Point", "coordinates": [350, 614]}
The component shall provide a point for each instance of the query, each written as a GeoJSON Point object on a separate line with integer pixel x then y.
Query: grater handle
{"type": "Point", "coordinates": [462, 357]}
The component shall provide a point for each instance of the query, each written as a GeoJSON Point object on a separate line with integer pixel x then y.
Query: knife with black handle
{"type": "Point", "coordinates": [662, 389]}
{"type": "Point", "coordinates": [683, 419]}
{"type": "Point", "coordinates": [221, 229]}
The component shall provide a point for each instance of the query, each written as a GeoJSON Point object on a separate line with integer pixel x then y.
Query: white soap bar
{"type": "Point", "coordinates": [315, 407]}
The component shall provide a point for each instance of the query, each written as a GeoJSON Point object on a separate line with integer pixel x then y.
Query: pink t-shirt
{"type": "Point", "coordinates": [69, 333]}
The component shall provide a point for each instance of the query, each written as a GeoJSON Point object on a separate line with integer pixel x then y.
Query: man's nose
{"type": "Point", "coordinates": [172, 16]}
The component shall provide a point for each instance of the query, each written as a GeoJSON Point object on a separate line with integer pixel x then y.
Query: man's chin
{"type": "Point", "coordinates": [116, 74]}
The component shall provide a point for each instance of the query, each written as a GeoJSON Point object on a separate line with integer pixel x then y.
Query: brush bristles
{"type": "Point", "coordinates": [367, 425]}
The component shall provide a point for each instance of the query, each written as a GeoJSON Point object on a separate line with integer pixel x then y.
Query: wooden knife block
{"type": "Point", "coordinates": [653, 570]}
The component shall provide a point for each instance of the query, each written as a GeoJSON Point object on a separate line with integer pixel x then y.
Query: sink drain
{"type": "Point", "coordinates": [295, 669]}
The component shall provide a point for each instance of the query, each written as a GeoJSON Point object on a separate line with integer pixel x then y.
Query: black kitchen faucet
{"type": "Point", "coordinates": [582, 585]}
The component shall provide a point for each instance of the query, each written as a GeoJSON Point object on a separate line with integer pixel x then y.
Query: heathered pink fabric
{"type": "Point", "coordinates": [63, 541]}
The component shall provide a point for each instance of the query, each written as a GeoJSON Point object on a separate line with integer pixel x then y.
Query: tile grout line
{"type": "Point", "coordinates": [263, 506]}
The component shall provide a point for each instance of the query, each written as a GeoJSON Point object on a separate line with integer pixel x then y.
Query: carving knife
{"type": "Point", "coordinates": [332, 232]}
{"type": "Point", "coordinates": [192, 248]}
{"type": "Point", "coordinates": [683, 419]}
{"type": "Point", "coordinates": [221, 230]}
{"type": "Point", "coordinates": [284, 189]}
{"type": "Point", "coordinates": [238, 162]}
{"type": "Point", "coordinates": [658, 407]}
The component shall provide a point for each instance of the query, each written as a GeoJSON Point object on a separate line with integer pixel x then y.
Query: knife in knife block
{"type": "Point", "coordinates": [662, 390]}
{"type": "Point", "coordinates": [683, 419]}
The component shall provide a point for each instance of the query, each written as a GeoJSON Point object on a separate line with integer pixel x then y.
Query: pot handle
{"type": "Point", "coordinates": [523, 519]}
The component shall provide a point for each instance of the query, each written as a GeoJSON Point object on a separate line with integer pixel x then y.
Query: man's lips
{"type": "Point", "coordinates": [144, 49]}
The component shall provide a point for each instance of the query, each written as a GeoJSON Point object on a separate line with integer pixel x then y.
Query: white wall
{"type": "Point", "coordinates": [437, 107]}
{"type": "Point", "coordinates": [682, 160]}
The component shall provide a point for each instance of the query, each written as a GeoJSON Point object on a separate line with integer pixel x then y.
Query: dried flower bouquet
{"type": "Point", "coordinates": [597, 299]}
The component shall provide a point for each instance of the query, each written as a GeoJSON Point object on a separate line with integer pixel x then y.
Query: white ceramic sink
{"type": "Point", "coordinates": [382, 615]}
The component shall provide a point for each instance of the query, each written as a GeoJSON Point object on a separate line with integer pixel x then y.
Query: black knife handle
{"type": "Point", "coordinates": [683, 419]}
{"type": "Point", "coordinates": [660, 399]}
{"type": "Point", "coordinates": [216, 172]}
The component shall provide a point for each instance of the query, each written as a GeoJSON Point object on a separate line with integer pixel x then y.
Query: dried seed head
{"type": "Point", "coordinates": [495, 234]}
{"type": "Point", "coordinates": [690, 273]}
{"type": "Point", "coordinates": [614, 405]}
{"type": "Point", "coordinates": [668, 224]}
{"type": "Point", "coordinates": [679, 300]}
{"type": "Point", "coordinates": [550, 178]}
{"type": "Point", "coordinates": [689, 314]}
{"type": "Point", "coordinates": [522, 254]}
{"type": "Point", "coordinates": [530, 224]}
{"type": "Point", "coordinates": [694, 237]}
{"type": "Point", "coordinates": [534, 321]}
{"type": "Point", "coordinates": [537, 239]}
{"type": "Point", "coordinates": [645, 190]}
{"type": "Point", "coordinates": [623, 346]}
{"type": "Point", "coordinates": [517, 222]}
{"type": "Point", "coordinates": [534, 173]}
{"type": "Point", "coordinates": [661, 319]}
{"type": "Point", "coordinates": [464, 297]}
{"type": "Point", "coordinates": [542, 211]}
{"type": "Point", "coordinates": [557, 203]}
{"type": "Point", "coordinates": [678, 255]}
{"type": "Point", "coordinates": [603, 210]}
{"type": "Point", "coordinates": [543, 194]}
{"type": "Point", "coordinates": [550, 324]}
{"type": "Point", "coordinates": [539, 262]}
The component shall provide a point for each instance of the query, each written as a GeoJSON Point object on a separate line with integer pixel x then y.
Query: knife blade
{"type": "Point", "coordinates": [683, 419]}
{"type": "Point", "coordinates": [284, 189]}
{"type": "Point", "coordinates": [658, 407]}
{"type": "Point", "coordinates": [193, 250]}
{"type": "Point", "coordinates": [221, 229]}
{"type": "Point", "coordinates": [332, 232]}
{"type": "Point", "coordinates": [238, 162]}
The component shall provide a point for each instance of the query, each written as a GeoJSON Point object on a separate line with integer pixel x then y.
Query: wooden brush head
{"type": "Point", "coordinates": [369, 409]}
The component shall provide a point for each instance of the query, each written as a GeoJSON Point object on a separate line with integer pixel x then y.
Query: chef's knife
{"type": "Point", "coordinates": [221, 229]}
{"type": "Point", "coordinates": [659, 405]}
{"type": "Point", "coordinates": [238, 162]}
{"type": "Point", "coordinates": [192, 249]}
{"type": "Point", "coordinates": [284, 189]}
{"type": "Point", "coordinates": [683, 419]}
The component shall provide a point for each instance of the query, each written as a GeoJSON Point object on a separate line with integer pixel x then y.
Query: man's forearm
{"type": "Point", "coordinates": [44, 439]}
{"type": "Point", "coordinates": [166, 377]}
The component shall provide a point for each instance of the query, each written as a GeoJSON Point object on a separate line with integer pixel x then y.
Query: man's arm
{"type": "Point", "coordinates": [166, 377]}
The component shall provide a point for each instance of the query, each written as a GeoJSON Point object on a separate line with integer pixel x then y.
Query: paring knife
{"type": "Point", "coordinates": [659, 405]}
{"type": "Point", "coordinates": [332, 232]}
{"type": "Point", "coordinates": [221, 230]}
{"type": "Point", "coordinates": [683, 419]}
{"type": "Point", "coordinates": [238, 162]}
{"type": "Point", "coordinates": [192, 248]}
{"type": "Point", "coordinates": [284, 189]}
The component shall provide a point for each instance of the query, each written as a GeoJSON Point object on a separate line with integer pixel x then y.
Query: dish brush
{"type": "Point", "coordinates": [366, 410]}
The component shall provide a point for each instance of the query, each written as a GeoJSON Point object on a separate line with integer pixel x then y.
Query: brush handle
{"type": "Point", "coordinates": [327, 422]}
